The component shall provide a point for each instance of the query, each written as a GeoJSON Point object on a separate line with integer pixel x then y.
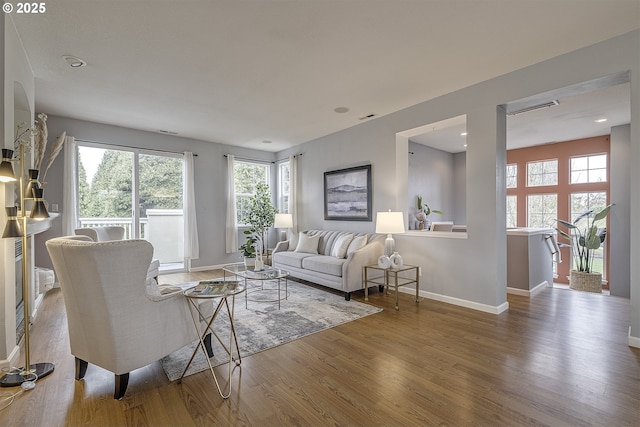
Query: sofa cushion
{"type": "Point", "coordinates": [293, 241]}
{"type": "Point", "coordinates": [340, 245]}
{"type": "Point", "coordinates": [324, 264]}
{"type": "Point", "coordinates": [290, 259]}
{"type": "Point", "coordinates": [308, 244]}
{"type": "Point", "coordinates": [357, 243]}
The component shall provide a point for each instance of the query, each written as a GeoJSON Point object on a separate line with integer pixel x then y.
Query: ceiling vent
{"type": "Point", "coordinates": [534, 107]}
{"type": "Point", "coordinates": [368, 116]}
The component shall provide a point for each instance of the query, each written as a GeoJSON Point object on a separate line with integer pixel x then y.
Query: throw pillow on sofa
{"type": "Point", "coordinates": [308, 244]}
{"type": "Point", "coordinates": [340, 246]}
{"type": "Point", "coordinates": [357, 243]}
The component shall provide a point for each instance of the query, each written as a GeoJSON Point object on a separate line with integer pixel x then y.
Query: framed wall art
{"type": "Point", "coordinates": [347, 194]}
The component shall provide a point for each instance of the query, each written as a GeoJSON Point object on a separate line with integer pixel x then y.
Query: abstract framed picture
{"type": "Point", "coordinates": [347, 194]}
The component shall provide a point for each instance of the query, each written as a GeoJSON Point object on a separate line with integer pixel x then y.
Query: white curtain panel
{"type": "Point", "coordinates": [191, 243]}
{"type": "Point", "coordinates": [231, 225]}
{"type": "Point", "coordinates": [293, 192]}
{"type": "Point", "coordinates": [70, 189]}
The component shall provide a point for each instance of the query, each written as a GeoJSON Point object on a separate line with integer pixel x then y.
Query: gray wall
{"type": "Point", "coordinates": [431, 174]}
{"type": "Point", "coordinates": [619, 217]}
{"type": "Point", "coordinates": [460, 188]}
{"type": "Point", "coordinates": [210, 180]}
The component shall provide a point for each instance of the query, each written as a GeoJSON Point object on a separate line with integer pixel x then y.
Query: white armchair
{"type": "Point", "coordinates": [114, 232]}
{"type": "Point", "coordinates": [116, 319]}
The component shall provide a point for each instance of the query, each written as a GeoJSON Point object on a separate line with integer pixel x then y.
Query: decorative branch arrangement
{"type": "Point", "coordinates": [40, 134]}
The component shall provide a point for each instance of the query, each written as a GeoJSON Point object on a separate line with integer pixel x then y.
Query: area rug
{"type": "Point", "coordinates": [262, 326]}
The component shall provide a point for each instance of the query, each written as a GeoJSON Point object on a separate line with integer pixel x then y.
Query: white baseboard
{"type": "Point", "coordinates": [457, 301]}
{"type": "Point", "coordinates": [12, 360]}
{"type": "Point", "coordinates": [633, 341]}
{"type": "Point", "coordinates": [213, 267]}
{"type": "Point", "coordinates": [527, 293]}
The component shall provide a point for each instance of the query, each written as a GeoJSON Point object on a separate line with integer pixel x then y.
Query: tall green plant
{"type": "Point", "coordinates": [586, 240]}
{"type": "Point", "coordinates": [261, 214]}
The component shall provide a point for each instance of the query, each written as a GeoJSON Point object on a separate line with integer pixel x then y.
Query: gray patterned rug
{"type": "Point", "coordinates": [263, 326]}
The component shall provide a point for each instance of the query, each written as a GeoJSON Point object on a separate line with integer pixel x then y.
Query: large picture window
{"type": "Point", "coordinates": [542, 173]}
{"type": "Point", "coordinates": [588, 169]}
{"type": "Point", "coordinates": [583, 202]}
{"type": "Point", "coordinates": [542, 210]}
{"type": "Point", "coordinates": [247, 175]}
{"type": "Point", "coordinates": [512, 211]}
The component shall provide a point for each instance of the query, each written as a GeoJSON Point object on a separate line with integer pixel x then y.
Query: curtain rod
{"type": "Point", "coordinates": [128, 146]}
{"type": "Point", "coordinates": [251, 160]}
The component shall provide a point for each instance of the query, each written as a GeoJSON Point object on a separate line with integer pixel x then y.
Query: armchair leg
{"type": "Point", "coordinates": [122, 381]}
{"type": "Point", "coordinates": [347, 296]}
{"type": "Point", "coordinates": [207, 345]}
{"type": "Point", "coordinates": [81, 368]}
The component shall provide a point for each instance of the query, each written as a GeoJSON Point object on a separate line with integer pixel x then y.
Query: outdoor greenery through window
{"type": "Point", "coordinates": [587, 169]}
{"type": "Point", "coordinates": [246, 176]}
{"type": "Point", "coordinates": [512, 176]}
{"type": "Point", "coordinates": [512, 211]}
{"type": "Point", "coordinates": [283, 187]}
{"type": "Point", "coordinates": [583, 202]}
{"type": "Point", "coordinates": [542, 210]}
{"type": "Point", "coordinates": [139, 190]}
{"type": "Point", "coordinates": [542, 173]}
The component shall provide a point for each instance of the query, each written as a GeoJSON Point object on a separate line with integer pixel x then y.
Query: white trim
{"type": "Point", "coordinates": [633, 341]}
{"type": "Point", "coordinates": [530, 292]}
{"type": "Point", "coordinates": [459, 302]}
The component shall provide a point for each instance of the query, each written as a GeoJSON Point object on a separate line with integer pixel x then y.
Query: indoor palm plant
{"type": "Point", "coordinates": [585, 237]}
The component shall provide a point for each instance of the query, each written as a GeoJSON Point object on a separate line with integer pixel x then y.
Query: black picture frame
{"type": "Point", "coordinates": [347, 194]}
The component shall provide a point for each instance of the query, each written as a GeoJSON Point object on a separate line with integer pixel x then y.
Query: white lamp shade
{"type": "Point", "coordinates": [390, 222]}
{"type": "Point", "coordinates": [283, 221]}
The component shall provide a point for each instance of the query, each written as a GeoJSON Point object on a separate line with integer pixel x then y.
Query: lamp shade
{"type": "Point", "coordinates": [389, 222]}
{"type": "Point", "coordinates": [39, 210]}
{"type": "Point", "coordinates": [12, 227]}
{"type": "Point", "coordinates": [283, 221]}
{"type": "Point", "coordinates": [6, 169]}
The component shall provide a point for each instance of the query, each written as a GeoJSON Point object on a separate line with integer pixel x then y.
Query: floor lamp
{"type": "Point", "coordinates": [15, 227]}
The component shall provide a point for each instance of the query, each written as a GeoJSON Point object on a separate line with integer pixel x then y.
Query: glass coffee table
{"type": "Point", "coordinates": [265, 275]}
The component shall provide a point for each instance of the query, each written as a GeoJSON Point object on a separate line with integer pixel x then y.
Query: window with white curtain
{"type": "Point", "coordinates": [284, 181]}
{"type": "Point", "coordinates": [246, 176]}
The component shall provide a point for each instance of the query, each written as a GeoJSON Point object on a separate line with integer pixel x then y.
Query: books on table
{"type": "Point", "coordinates": [212, 288]}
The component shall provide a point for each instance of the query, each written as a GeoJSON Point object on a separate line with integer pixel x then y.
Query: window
{"type": "Point", "coordinates": [283, 187]}
{"type": "Point", "coordinates": [246, 176]}
{"type": "Point", "coordinates": [542, 173]}
{"type": "Point", "coordinates": [512, 211]}
{"type": "Point", "coordinates": [542, 210]}
{"type": "Point", "coordinates": [589, 169]}
{"type": "Point", "coordinates": [583, 202]}
{"type": "Point", "coordinates": [512, 176]}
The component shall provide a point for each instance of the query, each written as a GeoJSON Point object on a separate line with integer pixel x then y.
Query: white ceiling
{"type": "Point", "coordinates": [242, 72]}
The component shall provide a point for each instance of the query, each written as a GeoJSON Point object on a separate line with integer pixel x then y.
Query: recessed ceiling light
{"type": "Point", "coordinates": [465, 145]}
{"type": "Point", "coordinates": [341, 110]}
{"type": "Point", "coordinates": [74, 62]}
{"type": "Point", "coordinates": [463, 134]}
{"type": "Point", "coordinates": [266, 141]}
{"type": "Point", "coordinates": [601, 120]}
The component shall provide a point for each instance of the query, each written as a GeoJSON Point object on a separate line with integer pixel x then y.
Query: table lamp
{"type": "Point", "coordinates": [389, 223]}
{"type": "Point", "coordinates": [283, 221]}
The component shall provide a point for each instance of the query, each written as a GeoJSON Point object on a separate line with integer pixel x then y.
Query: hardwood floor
{"type": "Point", "coordinates": [559, 358]}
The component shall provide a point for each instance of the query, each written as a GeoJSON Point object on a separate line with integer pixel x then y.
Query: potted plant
{"type": "Point", "coordinates": [585, 237]}
{"type": "Point", "coordinates": [261, 215]}
{"type": "Point", "coordinates": [423, 213]}
{"type": "Point", "coordinates": [248, 250]}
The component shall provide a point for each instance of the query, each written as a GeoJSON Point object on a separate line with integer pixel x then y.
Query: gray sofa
{"type": "Point", "coordinates": [333, 263]}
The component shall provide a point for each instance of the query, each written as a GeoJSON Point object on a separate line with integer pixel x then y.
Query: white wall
{"type": "Point", "coordinates": [18, 77]}
{"type": "Point", "coordinates": [460, 188]}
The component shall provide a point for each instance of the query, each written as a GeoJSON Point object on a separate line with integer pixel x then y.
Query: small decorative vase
{"type": "Point", "coordinates": [421, 225]}
{"type": "Point", "coordinates": [384, 262]}
{"type": "Point", "coordinates": [259, 265]}
{"type": "Point", "coordinates": [396, 260]}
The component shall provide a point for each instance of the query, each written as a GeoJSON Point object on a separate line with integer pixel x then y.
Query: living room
{"type": "Point", "coordinates": [476, 276]}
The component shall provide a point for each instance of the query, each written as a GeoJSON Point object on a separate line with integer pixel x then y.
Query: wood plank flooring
{"type": "Point", "coordinates": [559, 358]}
